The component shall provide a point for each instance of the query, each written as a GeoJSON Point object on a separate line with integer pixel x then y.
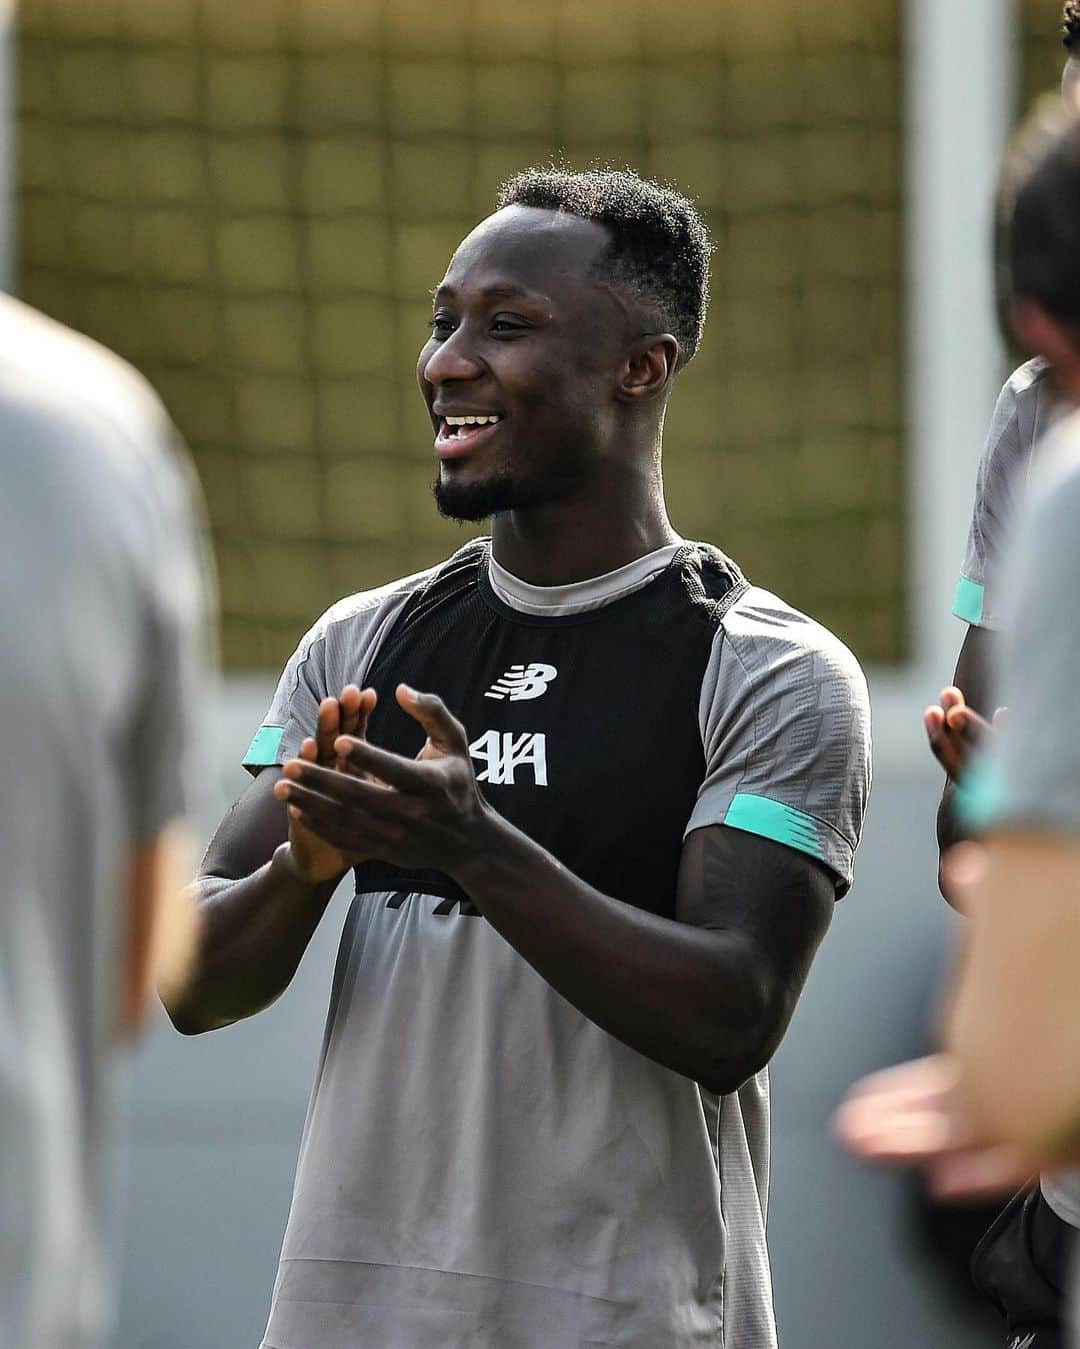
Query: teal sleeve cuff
{"type": "Point", "coordinates": [263, 750]}
{"type": "Point", "coordinates": [980, 796]}
{"type": "Point", "coordinates": [968, 601]}
{"type": "Point", "coordinates": [772, 819]}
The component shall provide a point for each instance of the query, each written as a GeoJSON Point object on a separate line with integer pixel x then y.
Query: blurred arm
{"type": "Point", "coordinates": [1015, 1025]}
{"type": "Point", "coordinates": [160, 925]}
{"type": "Point", "coordinates": [1015, 1021]}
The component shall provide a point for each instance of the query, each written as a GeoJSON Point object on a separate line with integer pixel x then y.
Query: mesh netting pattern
{"type": "Point", "coordinates": [1042, 54]}
{"type": "Point", "coordinates": [251, 199]}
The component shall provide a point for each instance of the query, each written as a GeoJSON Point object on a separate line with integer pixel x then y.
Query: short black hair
{"type": "Point", "coordinates": [1070, 24]}
{"type": "Point", "coordinates": [1038, 215]}
{"type": "Point", "coordinates": [660, 247]}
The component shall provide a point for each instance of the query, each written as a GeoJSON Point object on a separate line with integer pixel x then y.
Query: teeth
{"type": "Point", "coordinates": [472, 420]}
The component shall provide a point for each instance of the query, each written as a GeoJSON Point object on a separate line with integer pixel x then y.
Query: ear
{"type": "Point", "coordinates": [649, 368]}
{"type": "Point", "coordinates": [1041, 333]}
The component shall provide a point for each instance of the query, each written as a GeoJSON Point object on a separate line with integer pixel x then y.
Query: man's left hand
{"type": "Point", "coordinates": [422, 812]}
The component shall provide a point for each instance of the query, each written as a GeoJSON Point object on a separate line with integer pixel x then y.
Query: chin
{"type": "Point", "coordinates": [471, 501]}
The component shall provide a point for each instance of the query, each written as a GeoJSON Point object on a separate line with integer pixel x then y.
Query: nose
{"type": "Point", "coordinates": [452, 359]}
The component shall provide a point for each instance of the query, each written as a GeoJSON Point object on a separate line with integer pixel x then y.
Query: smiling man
{"type": "Point", "coordinates": [581, 924]}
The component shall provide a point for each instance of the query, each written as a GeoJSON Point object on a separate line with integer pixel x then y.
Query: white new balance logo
{"type": "Point", "coordinates": [503, 752]}
{"type": "Point", "coordinates": [522, 681]}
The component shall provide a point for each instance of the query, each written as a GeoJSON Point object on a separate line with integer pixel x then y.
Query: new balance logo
{"type": "Point", "coordinates": [503, 753]}
{"type": "Point", "coordinates": [523, 681]}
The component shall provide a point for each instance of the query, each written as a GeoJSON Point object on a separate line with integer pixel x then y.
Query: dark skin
{"type": "Point", "coordinates": [264, 885]}
{"type": "Point", "coordinates": [579, 376]}
{"type": "Point", "coordinates": [955, 727]}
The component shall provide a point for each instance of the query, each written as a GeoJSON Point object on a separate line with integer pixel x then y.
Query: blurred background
{"type": "Point", "coordinates": [251, 199]}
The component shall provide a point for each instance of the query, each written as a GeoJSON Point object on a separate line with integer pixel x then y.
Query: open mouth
{"type": "Point", "coordinates": [459, 434]}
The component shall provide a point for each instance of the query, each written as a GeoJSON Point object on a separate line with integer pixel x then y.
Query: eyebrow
{"type": "Point", "coordinates": [503, 289]}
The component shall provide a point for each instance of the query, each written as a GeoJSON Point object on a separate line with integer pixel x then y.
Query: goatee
{"type": "Point", "coordinates": [473, 501]}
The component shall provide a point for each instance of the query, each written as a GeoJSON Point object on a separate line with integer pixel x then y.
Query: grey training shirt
{"type": "Point", "coordinates": [100, 599]}
{"type": "Point", "coordinates": [482, 1167]}
{"type": "Point", "coordinates": [1026, 407]}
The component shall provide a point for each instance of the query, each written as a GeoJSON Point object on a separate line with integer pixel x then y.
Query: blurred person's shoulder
{"type": "Point", "coordinates": [82, 424]}
{"type": "Point", "coordinates": [71, 379]}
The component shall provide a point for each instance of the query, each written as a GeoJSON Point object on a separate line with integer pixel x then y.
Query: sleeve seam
{"type": "Point", "coordinates": [730, 640]}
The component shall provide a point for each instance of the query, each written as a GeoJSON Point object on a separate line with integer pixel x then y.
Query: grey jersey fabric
{"type": "Point", "coordinates": [785, 721]}
{"type": "Point", "coordinates": [481, 1165]}
{"type": "Point", "coordinates": [101, 600]}
{"type": "Point", "coordinates": [1026, 407]}
{"type": "Point", "coordinates": [1040, 754]}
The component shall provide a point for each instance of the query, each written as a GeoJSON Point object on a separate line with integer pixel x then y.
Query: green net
{"type": "Point", "coordinates": [251, 199]}
{"type": "Point", "coordinates": [1041, 50]}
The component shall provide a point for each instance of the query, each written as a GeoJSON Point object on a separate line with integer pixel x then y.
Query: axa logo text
{"type": "Point", "coordinates": [503, 753]}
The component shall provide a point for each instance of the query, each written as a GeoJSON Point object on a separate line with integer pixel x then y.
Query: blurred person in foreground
{"type": "Point", "coordinates": [581, 926]}
{"type": "Point", "coordinates": [1021, 1262]}
{"type": "Point", "coordinates": [1003, 1099]}
{"type": "Point", "coordinates": [1030, 402]}
{"type": "Point", "coordinates": [100, 613]}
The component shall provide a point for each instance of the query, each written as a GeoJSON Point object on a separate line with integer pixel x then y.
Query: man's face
{"type": "Point", "coordinates": [522, 333]}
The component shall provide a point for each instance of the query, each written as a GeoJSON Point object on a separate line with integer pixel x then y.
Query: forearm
{"type": "Point", "coordinates": [696, 1001]}
{"type": "Point", "coordinates": [973, 677]}
{"type": "Point", "coordinates": [254, 931]}
{"type": "Point", "coordinates": [949, 833]}
{"type": "Point", "coordinates": [1013, 1022]}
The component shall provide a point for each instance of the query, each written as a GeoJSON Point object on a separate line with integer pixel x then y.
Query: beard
{"type": "Point", "coordinates": [468, 502]}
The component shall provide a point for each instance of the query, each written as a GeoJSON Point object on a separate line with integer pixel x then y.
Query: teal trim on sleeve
{"type": "Point", "coordinates": [772, 819]}
{"type": "Point", "coordinates": [980, 796]}
{"type": "Point", "coordinates": [264, 747]}
{"type": "Point", "coordinates": [968, 601]}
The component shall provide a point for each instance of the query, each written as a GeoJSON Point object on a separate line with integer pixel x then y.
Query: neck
{"type": "Point", "coordinates": [599, 531]}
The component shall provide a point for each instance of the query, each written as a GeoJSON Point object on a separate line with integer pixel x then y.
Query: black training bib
{"type": "Point", "coordinates": [583, 729]}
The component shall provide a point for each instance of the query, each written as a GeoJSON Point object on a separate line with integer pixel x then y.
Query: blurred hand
{"type": "Point", "coordinates": [913, 1115]}
{"type": "Point", "coordinates": [955, 730]}
{"type": "Point", "coordinates": [314, 858]}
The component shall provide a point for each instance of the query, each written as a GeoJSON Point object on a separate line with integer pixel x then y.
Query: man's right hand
{"type": "Point", "coordinates": [313, 859]}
